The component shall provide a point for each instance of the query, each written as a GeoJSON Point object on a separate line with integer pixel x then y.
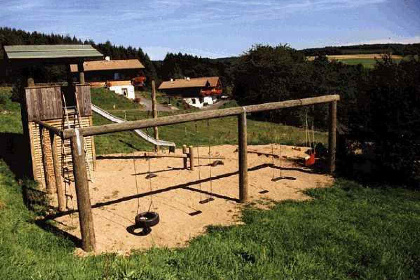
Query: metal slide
{"type": "Point", "coordinates": [140, 133]}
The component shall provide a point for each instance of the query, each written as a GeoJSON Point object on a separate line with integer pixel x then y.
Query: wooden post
{"type": "Point", "coordinates": [31, 82]}
{"type": "Point", "coordinates": [332, 136]}
{"type": "Point", "coordinates": [154, 110]}
{"type": "Point", "coordinates": [82, 193]}
{"type": "Point", "coordinates": [58, 184]}
{"type": "Point", "coordinates": [81, 73]}
{"type": "Point", "coordinates": [243, 157]}
{"type": "Point", "coordinates": [191, 154]}
{"type": "Point", "coordinates": [47, 161]}
{"type": "Point", "coordinates": [184, 151]}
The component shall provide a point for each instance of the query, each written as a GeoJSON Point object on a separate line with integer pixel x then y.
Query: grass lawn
{"type": "Point", "coordinates": [347, 231]}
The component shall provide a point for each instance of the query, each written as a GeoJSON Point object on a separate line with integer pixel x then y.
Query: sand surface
{"type": "Point", "coordinates": [175, 193]}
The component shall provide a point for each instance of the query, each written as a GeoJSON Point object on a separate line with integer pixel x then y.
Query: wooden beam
{"type": "Point", "coordinates": [81, 73]}
{"type": "Point", "coordinates": [61, 198]}
{"type": "Point", "coordinates": [243, 157]}
{"type": "Point", "coordinates": [82, 193]}
{"type": "Point", "coordinates": [155, 114]}
{"type": "Point", "coordinates": [47, 161]}
{"type": "Point", "coordinates": [182, 118]}
{"type": "Point", "coordinates": [51, 128]}
{"type": "Point", "coordinates": [332, 136]}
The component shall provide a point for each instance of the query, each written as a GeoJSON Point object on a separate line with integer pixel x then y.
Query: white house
{"type": "Point", "coordinates": [117, 75]}
{"type": "Point", "coordinates": [196, 92]}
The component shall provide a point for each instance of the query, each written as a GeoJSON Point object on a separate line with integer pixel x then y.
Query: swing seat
{"type": "Point", "coordinates": [146, 220]}
{"type": "Point", "coordinates": [310, 160]}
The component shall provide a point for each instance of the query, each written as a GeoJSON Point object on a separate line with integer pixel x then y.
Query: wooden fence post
{"type": "Point", "coordinates": [243, 157]}
{"type": "Point", "coordinates": [185, 159]}
{"type": "Point", "coordinates": [332, 136]}
{"type": "Point", "coordinates": [191, 155]}
{"type": "Point", "coordinates": [82, 193]}
{"type": "Point", "coordinates": [154, 110]}
{"type": "Point", "coordinates": [58, 184]}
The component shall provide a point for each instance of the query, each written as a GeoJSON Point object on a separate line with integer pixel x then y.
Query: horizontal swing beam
{"type": "Point", "coordinates": [51, 128]}
{"type": "Point", "coordinates": [183, 118]}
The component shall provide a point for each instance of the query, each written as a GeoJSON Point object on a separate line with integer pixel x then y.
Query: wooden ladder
{"type": "Point", "coordinates": [71, 119]}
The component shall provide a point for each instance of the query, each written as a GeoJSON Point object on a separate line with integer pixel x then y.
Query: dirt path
{"type": "Point", "coordinates": [147, 103]}
{"type": "Point", "coordinates": [120, 190]}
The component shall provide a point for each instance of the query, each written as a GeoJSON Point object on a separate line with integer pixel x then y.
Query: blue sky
{"type": "Point", "coordinates": [219, 28]}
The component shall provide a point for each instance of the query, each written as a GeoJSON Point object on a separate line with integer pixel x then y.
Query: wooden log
{"type": "Point", "coordinates": [155, 115]}
{"type": "Point", "coordinates": [332, 135]}
{"type": "Point", "coordinates": [185, 159]}
{"type": "Point", "coordinates": [81, 73]}
{"type": "Point", "coordinates": [47, 162]}
{"type": "Point", "coordinates": [82, 193]}
{"type": "Point", "coordinates": [31, 82]}
{"type": "Point", "coordinates": [61, 198]}
{"type": "Point", "coordinates": [182, 118]}
{"type": "Point", "coordinates": [191, 156]}
{"type": "Point", "coordinates": [51, 128]}
{"type": "Point", "coordinates": [243, 157]}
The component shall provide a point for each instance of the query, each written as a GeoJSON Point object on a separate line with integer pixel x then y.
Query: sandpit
{"type": "Point", "coordinates": [175, 194]}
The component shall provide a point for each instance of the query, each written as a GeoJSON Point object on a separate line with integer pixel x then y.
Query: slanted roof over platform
{"type": "Point", "coordinates": [51, 52]}
{"type": "Point", "coordinates": [104, 65]}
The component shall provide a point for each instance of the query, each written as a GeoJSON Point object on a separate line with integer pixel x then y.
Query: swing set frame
{"type": "Point", "coordinates": [76, 136]}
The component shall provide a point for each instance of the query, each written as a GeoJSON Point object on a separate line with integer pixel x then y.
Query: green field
{"type": "Point", "coordinates": [347, 231]}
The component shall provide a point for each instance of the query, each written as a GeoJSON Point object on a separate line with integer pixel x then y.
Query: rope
{"type": "Point", "coordinates": [199, 168]}
{"type": "Point", "coordinates": [208, 161]}
{"type": "Point", "coordinates": [150, 186]}
{"type": "Point", "coordinates": [137, 187]}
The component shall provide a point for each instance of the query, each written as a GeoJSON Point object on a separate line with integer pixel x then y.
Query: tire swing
{"type": "Point", "coordinates": [144, 220]}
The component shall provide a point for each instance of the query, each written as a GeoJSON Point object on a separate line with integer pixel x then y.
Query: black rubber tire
{"type": "Point", "coordinates": [147, 219]}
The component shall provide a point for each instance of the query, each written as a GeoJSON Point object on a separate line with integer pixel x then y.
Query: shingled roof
{"type": "Point", "coordinates": [103, 65]}
{"type": "Point", "coordinates": [189, 83]}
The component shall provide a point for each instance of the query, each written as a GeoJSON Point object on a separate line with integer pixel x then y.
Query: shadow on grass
{"type": "Point", "coordinates": [15, 151]}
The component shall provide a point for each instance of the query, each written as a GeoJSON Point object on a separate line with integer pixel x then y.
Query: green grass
{"type": "Point", "coordinates": [107, 100]}
{"type": "Point", "coordinates": [347, 231]}
{"type": "Point", "coordinates": [367, 63]}
{"type": "Point", "coordinates": [219, 131]}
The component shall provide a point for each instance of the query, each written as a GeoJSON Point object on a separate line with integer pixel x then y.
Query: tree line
{"type": "Point", "coordinates": [378, 114]}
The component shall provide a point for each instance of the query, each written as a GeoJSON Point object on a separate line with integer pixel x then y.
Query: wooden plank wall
{"type": "Point", "coordinates": [36, 152]}
{"type": "Point", "coordinates": [84, 100]}
{"type": "Point", "coordinates": [43, 103]}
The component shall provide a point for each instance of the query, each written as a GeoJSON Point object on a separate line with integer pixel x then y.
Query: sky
{"type": "Point", "coordinates": [219, 28]}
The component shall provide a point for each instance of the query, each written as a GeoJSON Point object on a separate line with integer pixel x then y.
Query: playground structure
{"type": "Point", "coordinates": [46, 115]}
{"type": "Point", "coordinates": [77, 138]}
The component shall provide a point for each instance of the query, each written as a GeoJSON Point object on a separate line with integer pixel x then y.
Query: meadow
{"type": "Point", "coordinates": [347, 231]}
{"type": "Point", "coordinates": [367, 60]}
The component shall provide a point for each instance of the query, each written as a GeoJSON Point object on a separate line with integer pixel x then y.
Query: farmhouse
{"type": "Point", "coordinates": [196, 92]}
{"type": "Point", "coordinates": [120, 76]}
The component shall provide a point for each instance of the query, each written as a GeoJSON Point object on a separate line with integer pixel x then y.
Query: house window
{"type": "Point", "coordinates": [125, 92]}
